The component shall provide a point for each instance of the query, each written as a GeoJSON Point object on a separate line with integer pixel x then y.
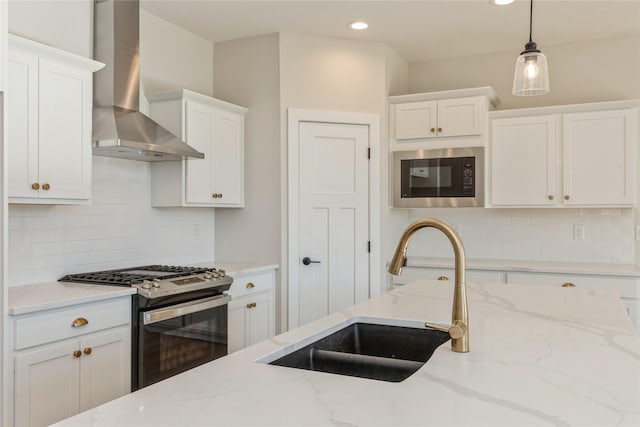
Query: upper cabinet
{"type": "Point", "coordinates": [440, 119]}
{"type": "Point", "coordinates": [580, 158]}
{"type": "Point", "coordinates": [213, 127]}
{"type": "Point", "coordinates": [49, 98]}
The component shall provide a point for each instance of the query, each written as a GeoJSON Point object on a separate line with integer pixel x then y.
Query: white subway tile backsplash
{"type": "Point", "coordinates": [118, 229]}
{"type": "Point", "coordinates": [530, 234]}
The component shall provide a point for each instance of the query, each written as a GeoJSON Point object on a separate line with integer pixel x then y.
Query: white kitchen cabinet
{"type": "Point", "coordinates": [61, 370]}
{"type": "Point", "coordinates": [627, 287]}
{"type": "Point", "coordinates": [599, 157]}
{"type": "Point", "coordinates": [524, 161]}
{"type": "Point", "coordinates": [251, 310]}
{"type": "Point", "coordinates": [213, 127]}
{"type": "Point", "coordinates": [581, 159]}
{"type": "Point", "coordinates": [443, 118]}
{"type": "Point", "coordinates": [49, 98]}
{"type": "Point", "coordinates": [410, 274]}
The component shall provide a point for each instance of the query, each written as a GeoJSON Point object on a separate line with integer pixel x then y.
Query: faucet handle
{"type": "Point", "coordinates": [455, 331]}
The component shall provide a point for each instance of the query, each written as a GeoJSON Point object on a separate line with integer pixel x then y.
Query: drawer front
{"type": "Point", "coordinates": [627, 287]}
{"type": "Point", "coordinates": [410, 274]}
{"type": "Point", "coordinates": [55, 325]}
{"type": "Point", "coordinates": [251, 284]}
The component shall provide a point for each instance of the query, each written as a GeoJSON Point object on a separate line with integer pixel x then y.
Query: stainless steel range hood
{"type": "Point", "coordinates": [119, 128]}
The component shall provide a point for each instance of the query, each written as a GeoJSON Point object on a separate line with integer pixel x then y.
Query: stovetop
{"type": "Point", "coordinates": [153, 281]}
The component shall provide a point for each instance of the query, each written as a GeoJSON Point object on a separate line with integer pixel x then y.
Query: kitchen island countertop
{"type": "Point", "coordinates": [539, 356]}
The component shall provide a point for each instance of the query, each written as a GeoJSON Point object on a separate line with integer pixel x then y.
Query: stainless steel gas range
{"type": "Point", "coordinates": [179, 317]}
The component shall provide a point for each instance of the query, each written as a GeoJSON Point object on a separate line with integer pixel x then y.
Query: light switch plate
{"type": "Point", "coordinates": [578, 232]}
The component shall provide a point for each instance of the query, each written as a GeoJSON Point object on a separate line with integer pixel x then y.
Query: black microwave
{"type": "Point", "coordinates": [452, 177]}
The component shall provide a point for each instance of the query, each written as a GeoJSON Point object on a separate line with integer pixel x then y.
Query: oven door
{"type": "Point", "coordinates": [179, 337]}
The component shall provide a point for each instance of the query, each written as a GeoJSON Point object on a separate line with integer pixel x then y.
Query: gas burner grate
{"type": "Point", "coordinates": [134, 275]}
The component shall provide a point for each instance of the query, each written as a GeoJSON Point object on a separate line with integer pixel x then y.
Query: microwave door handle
{"type": "Point", "coordinates": [178, 310]}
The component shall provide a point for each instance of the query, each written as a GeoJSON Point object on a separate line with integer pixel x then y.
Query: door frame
{"type": "Point", "coordinates": [291, 249]}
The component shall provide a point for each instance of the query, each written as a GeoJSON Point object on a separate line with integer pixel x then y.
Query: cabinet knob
{"type": "Point", "coordinates": [80, 321]}
{"type": "Point", "coordinates": [433, 130]}
{"type": "Point", "coordinates": [252, 305]}
{"type": "Point", "coordinates": [46, 186]}
{"type": "Point", "coordinates": [550, 196]}
{"type": "Point", "coordinates": [35, 186]}
{"type": "Point", "coordinates": [87, 351]}
{"type": "Point", "coordinates": [220, 195]}
{"type": "Point", "coordinates": [250, 285]}
{"type": "Point", "coordinates": [214, 195]}
{"type": "Point", "coordinates": [439, 129]}
{"type": "Point", "coordinates": [77, 354]}
{"type": "Point", "coordinates": [566, 197]}
{"type": "Point", "coordinates": [443, 278]}
{"type": "Point", "coordinates": [568, 285]}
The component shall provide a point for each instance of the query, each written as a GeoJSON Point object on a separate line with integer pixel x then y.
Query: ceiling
{"type": "Point", "coordinates": [417, 30]}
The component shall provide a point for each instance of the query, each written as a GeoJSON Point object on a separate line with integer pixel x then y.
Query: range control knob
{"type": "Point", "coordinates": [208, 275]}
{"type": "Point", "coordinates": [155, 283]}
{"type": "Point", "coordinates": [222, 273]}
{"type": "Point", "coordinates": [146, 284]}
{"type": "Point", "coordinates": [214, 273]}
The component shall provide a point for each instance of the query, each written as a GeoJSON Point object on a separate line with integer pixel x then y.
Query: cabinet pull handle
{"type": "Point", "coordinates": [46, 186]}
{"type": "Point", "coordinates": [439, 129]}
{"type": "Point", "coordinates": [88, 351]}
{"type": "Point", "coordinates": [252, 305]}
{"type": "Point", "coordinates": [443, 278]}
{"type": "Point", "coordinates": [35, 186]}
{"type": "Point", "coordinates": [433, 130]}
{"type": "Point", "coordinates": [220, 195]}
{"type": "Point", "coordinates": [550, 196]}
{"type": "Point", "coordinates": [80, 321]}
{"type": "Point", "coordinates": [77, 354]}
{"type": "Point", "coordinates": [568, 285]}
{"type": "Point", "coordinates": [250, 285]}
{"type": "Point", "coordinates": [566, 197]}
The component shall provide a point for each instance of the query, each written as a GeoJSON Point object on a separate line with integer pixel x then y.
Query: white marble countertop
{"type": "Point", "coordinates": [626, 270]}
{"type": "Point", "coordinates": [539, 356]}
{"type": "Point", "coordinates": [42, 296]}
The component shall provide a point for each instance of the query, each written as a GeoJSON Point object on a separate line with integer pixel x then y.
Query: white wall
{"type": "Point", "coordinates": [593, 71]}
{"type": "Point", "coordinates": [599, 70]}
{"type": "Point", "coordinates": [119, 228]}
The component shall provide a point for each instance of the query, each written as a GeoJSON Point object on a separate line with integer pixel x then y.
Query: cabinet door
{"type": "Point", "coordinates": [599, 160]}
{"type": "Point", "coordinates": [416, 120]}
{"type": "Point", "coordinates": [105, 368]}
{"type": "Point", "coordinates": [65, 95]}
{"type": "Point", "coordinates": [460, 116]}
{"type": "Point", "coordinates": [228, 153]}
{"type": "Point", "coordinates": [524, 161]}
{"type": "Point", "coordinates": [46, 385]}
{"type": "Point", "coordinates": [22, 124]}
{"type": "Point", "coordinates": [236, 334]}
{"type": "Point", "coordinates": [199, 133]}
{"type": "Point", "coordinates": [259, 318]}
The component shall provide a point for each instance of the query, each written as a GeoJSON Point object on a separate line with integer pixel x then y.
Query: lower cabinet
{"type": "Point", "coordinates": [56, 379]}
{"type": "Point", "coordinates": [251, 310]}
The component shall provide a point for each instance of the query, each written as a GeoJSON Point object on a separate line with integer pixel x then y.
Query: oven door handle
{"type": "Point", "coordinates": [178, 310]}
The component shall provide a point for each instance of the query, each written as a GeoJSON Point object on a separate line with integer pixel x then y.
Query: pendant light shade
{"type": "Point", "coordinates": [532, 73]}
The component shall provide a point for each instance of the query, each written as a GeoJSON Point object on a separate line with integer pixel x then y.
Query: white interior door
{"type": "Point", "coordinates": [334, 218]}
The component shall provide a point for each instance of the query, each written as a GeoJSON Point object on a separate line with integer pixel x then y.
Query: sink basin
{"type": "Point", "coordinates": [379, 352]}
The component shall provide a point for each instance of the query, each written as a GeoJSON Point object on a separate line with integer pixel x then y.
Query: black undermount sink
{"type": "Point", "coordinates": [378, 352]}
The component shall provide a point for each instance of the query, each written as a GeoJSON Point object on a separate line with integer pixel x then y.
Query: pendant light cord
{"type": "Point", "coordinates": [530, 20]}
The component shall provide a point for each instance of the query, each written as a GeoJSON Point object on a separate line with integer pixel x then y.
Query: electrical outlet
{"type": "Point", "coordinates": [578, 232]}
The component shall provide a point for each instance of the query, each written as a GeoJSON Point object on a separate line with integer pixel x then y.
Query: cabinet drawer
{"type": "Point", "coordinates": [51, 326]}
{"type": "Point", "coordinates": [410, 274]}
{"type": "Point", "coordinates": [251, 284]}
{"type": "Point", "coordinates": [627, 287]}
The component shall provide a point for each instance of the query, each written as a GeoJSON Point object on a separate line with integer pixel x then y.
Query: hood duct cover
{"type": "Point", "coordinates": [119, 128]}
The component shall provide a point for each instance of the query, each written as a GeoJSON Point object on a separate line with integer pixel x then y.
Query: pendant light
{"type": "Point", "coordinates": [532, 74]}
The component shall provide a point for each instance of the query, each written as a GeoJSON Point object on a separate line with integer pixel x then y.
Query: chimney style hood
{"type": "Point", "coordinates": [119, 128]}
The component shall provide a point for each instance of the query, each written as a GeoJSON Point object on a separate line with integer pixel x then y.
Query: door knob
{"type": "Point", "coordinates": [306, 261]}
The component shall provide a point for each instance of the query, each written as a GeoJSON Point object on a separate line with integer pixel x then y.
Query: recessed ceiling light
{"type": "Point", "coordinates": [358, 25]}
{"type": "Point", "coordinates": [501, 2]}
